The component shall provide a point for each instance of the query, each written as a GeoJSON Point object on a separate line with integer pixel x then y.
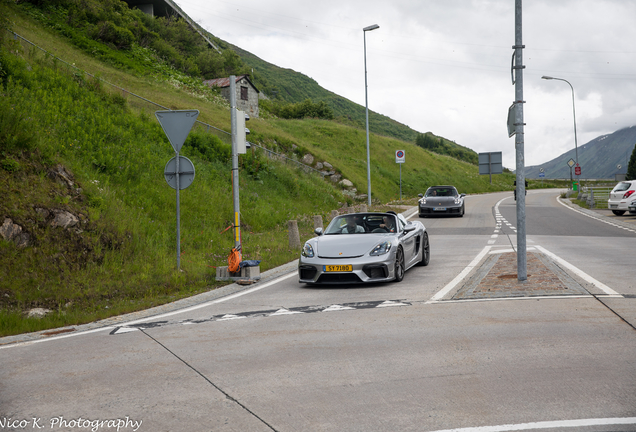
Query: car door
{"type": "Point", "coordinates": [407, 239]}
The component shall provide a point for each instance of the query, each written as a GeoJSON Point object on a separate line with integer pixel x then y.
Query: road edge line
{"type": "Point", "coordinates": [579, 272]}
{"type": "Point", "coordinates": [452, 284]}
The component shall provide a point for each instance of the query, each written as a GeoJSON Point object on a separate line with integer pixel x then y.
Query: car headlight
{"type": "Point", "coordinates": [457, 201]}
{"type": "Point", "coordinates": [308, 251]}
{"type": "Point", "coordinates": [381, 249]}
{"type": "Point", "coordinates": [423, 201]}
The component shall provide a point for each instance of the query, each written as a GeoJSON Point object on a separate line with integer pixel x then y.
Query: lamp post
{"type": "Point", "coordinates": [366, 102]}
{"type": "Point", "coordinates": [576, 148]}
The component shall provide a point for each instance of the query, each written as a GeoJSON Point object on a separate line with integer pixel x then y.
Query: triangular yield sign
{"type": "Point", "coordinates": [177, 125]}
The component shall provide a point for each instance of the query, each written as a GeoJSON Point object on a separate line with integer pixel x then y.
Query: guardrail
{"type": "Point", "coordinates": [595, 197]}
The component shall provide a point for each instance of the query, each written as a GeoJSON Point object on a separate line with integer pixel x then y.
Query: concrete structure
{"type": "Point", "coordinates": [247, 273]}
{"type": "Point", "coordinates": [246, 93]}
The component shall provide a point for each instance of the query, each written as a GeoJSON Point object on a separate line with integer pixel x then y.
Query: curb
{"type": "Point", "coordinates": [205, 297]}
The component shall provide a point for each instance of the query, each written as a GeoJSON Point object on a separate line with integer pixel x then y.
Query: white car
{"type": "Point", "coordinates": [621, 197]}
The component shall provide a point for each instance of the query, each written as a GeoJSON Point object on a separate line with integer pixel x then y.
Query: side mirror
{"type": "Point", "coordinates": [318, 231]}
{"type": "Point", "coordinates": [420, 195]}
{"type": "Point", "coordinates": [409, 228]}
{"type": "Point", "coordinates": [462, 195]}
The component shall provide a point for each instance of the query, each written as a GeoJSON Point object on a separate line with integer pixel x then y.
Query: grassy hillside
{"type": "Point", "coordinates": [120, 256]}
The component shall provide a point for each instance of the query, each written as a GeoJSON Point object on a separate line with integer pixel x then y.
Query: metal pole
{"type": "Point", "coordinates": [366, 103]}
{"type": "Point", "coordinates": [235, 173]}
{"type": "Point", "coordinates": [400, 182]}
{"type": "Point", "coordinates": [490, 166]}
{"type": "Point", "coordinates": [522, 273]}
{"type": "Point", "coordinates": [576, 145]}
{"type": "Point", "coordinates": [178, 216]}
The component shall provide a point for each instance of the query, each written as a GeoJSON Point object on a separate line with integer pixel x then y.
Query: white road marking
{"type": "Point", "coordinates": [337, 308]}
{"type": "Point", "coordinates": [452, 284]}
{"type": "Point", "coordinates": [558, 198]}
{"type": "Point", "coordinates": [554, 297]}
{"type": "Point", "coordinates": [390, 303]}
{"type": "Point", "coordinates": [580, 273]}
{"type": "Point", "coordinates": [285, 312]}
{"type": "Point", "coordinates": [487, 250]}
{"type": "Point", "coordinates": [155, 317]}
{"type": "Point", "coordinates": [547, 425]}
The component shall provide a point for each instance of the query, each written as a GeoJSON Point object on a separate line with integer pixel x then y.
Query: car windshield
{"type": "Point", "coordinates": [441, 192]}
{"type": "Point", "coordinates": [622, 186]}
{"type": "Point", "coordinates": [362, 223]}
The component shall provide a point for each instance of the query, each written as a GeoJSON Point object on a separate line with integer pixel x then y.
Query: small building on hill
{"type": "Point", "coordinates": [246, 93]}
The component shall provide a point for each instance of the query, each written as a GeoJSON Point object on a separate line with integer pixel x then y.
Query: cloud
{"type": "Point", "coordinates": [444, 66]}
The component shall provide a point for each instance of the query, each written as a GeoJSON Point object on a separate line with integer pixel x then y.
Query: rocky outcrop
{"type": "Point", "coordinates": [37, 312]}
{"type": "Point", "coordinates": [308, 159]}
{"type": "Point", "coordinates": [64, 219]}
{"type": "Point", "coordinates": [13, 232]}
{"type": "Point", "coordinates": [62, 176]}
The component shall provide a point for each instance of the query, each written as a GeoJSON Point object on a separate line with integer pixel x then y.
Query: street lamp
{"type": "Point", "coordinates": [576, 148]}
{"type": "Point", "coordinates": [366, 101]}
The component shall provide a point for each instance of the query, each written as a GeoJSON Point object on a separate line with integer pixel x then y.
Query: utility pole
{"type": "Point", "coordinates": [235, 171]}
{"type": "Point", "coordinates": [522, 273]}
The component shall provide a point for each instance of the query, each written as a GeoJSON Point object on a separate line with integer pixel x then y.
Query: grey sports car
{"type": "Point", "coordinates": [364, 247]}
{"type": "Point", "coordinates": [440, 200]}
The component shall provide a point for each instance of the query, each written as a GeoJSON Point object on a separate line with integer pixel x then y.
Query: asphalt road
{"type": "Point", "coordinates": [282, 356]}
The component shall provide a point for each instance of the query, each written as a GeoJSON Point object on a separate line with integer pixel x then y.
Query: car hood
{"type": "Point", "coordinates": [348, 245]}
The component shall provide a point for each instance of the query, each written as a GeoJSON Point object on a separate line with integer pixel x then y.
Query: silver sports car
{"type": "Point", "coordinates": [364, 247]}
{"type": "Point", "coordinates": [439, 200]}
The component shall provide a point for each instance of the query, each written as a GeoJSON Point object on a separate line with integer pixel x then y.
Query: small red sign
{"type": "Point", "coordinates": [577, 170]}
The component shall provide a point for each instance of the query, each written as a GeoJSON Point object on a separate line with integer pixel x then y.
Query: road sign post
{"type": "Point", "coordinates": [177, 125]}
{"type": "Point", "coordinates": [400, 158]}
{"type": "Point", "coordinates": [490, 163]}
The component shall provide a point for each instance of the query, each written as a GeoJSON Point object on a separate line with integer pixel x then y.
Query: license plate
{"type": "Point", "coordinates": [613, 205]}
{"type": "Point", "coordinates": [440, 209]}
{"type": "Point", "coordinates": [338, 268]}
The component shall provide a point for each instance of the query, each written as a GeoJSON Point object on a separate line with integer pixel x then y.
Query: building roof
{"type": "Point", "coordinates": [225, 82]}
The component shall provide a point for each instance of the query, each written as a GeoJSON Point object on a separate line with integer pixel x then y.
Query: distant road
{"type": "Point", "coordinates": [282, 356]}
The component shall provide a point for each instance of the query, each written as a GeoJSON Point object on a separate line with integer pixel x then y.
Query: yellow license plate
{"type": "Point", "coordinates": [338, 268]}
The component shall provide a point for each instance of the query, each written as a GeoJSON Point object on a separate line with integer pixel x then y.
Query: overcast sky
{"type": "Point", "coordinates": [444, 65]}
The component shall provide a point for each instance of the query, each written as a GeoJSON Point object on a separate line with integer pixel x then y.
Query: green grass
{"type": "Point", "coordinates": [122, 256]}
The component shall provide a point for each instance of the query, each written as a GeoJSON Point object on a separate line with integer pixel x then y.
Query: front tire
{"type": "Point", "coordinates": [399, 265]}
{"type": "Point", "coordinates": [618, 212]}
{"type": "Point", "coordinates": [426, 251]}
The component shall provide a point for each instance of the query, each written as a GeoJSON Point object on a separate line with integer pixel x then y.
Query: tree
{"type": "Point", "coordinates": [631, 166]}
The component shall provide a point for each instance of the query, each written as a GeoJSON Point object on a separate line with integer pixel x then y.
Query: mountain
{"type": "Point", "coordinates": [598, 158]}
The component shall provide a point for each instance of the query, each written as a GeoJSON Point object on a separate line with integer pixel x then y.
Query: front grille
{"type": "Point", "coordinates": [376, 272]}
{"type": "Point", "coordinates": [307, 272]}
{"type": "Point", "coordinates": [338, 278]}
